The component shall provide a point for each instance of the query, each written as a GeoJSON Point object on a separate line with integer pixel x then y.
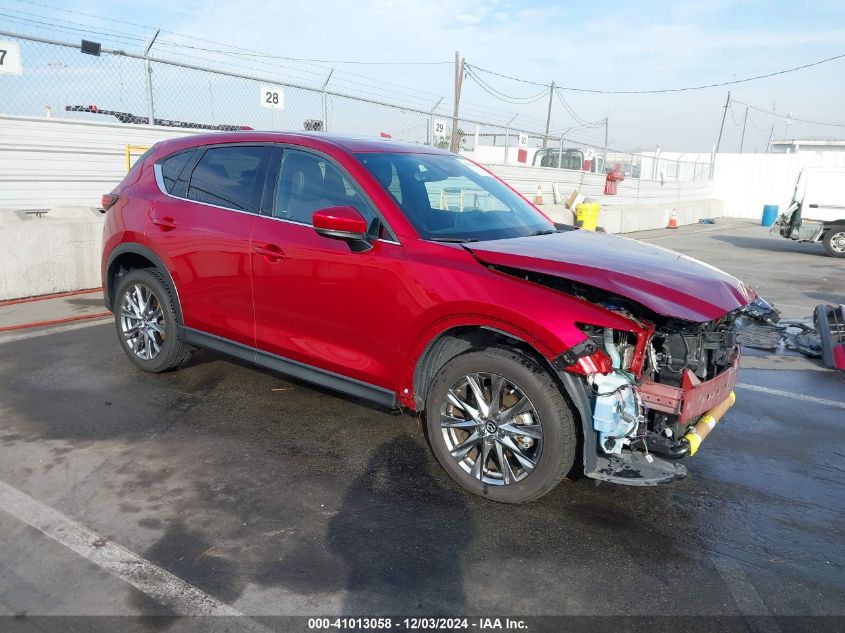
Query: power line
{"type": "Point", "coordinates": [243, 50]}
{"type": "Point", "coordinates": [572, 113]}
{"type": "Point", "coordinates": [501, 95]}
{"type": "Point", "coordinates": [664, 90]}
{"type": "Point", "coordinates": [791, 118]}
{"type": "Point", "coordinates": [751, 120]}
{"type": "Point", "coordinates": [261, 59]}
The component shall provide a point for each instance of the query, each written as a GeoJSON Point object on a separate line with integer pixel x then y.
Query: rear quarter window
{"type": "Point", "coordinates": [171, 169]}
{"type": "Point", "coordinates": [229, 177]}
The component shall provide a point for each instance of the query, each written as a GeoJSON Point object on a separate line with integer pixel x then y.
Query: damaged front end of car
{"type": "Point", "coordinates": [653, 392]}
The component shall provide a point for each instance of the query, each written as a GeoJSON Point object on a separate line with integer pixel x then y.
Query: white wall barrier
{"type": "Point", "coordinates": [747, 182]}
{"type": "Point", "coordinates": [66, 165]}
{"type": "Point", "coordinates": [47, 162]}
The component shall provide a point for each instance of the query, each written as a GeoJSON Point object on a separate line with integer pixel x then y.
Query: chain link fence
{"type": "Point", "coordinates": [59, 80]}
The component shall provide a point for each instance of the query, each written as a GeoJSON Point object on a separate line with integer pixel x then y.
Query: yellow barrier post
{"type": "Point", "coordinates": [129, 150]}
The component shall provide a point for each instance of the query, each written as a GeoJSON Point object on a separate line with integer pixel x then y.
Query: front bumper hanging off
{"type": "Point", "coordinates": [694, 401]}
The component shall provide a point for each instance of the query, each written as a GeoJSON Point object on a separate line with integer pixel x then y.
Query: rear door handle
{"type": "Point", "coordinates": [270, 252]}
{"type": "Point", "coordinates": [166, 223]}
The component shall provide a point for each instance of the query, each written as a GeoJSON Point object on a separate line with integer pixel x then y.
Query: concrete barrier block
{"type": "Point", "coordinates": [43, 255]}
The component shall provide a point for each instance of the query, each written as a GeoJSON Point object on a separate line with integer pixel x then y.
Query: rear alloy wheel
{"type": "Point", "coordinates": [145, 316]}
{"type": "Point", "coordinates": [834, 242]}
{"type": "Point", "coordinates": [499, 425]}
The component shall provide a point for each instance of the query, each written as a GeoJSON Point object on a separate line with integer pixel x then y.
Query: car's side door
{"type": "Point", "coordinates": [317, 300]}
{"type": "Point", "coordinates": [201, 228]}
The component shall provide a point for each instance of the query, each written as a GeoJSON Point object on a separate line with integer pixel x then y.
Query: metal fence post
{"type": "Point", "coordinates": [431, 120]}
{"type": "Point", "coordinates": [508, 135]}
{"type": "Point", "coordinates": [560, 153]}
{"type": "Point", "coordinates": [148, 78]}
{"type": "Point", "coordinates": [323, 100]}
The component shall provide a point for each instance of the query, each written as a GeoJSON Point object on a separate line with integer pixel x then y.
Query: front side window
{"type": "Point", "coordinates": [448, 198]}
{"type": "Point", "coordinates": [308, 182]}
{"type": "Point", "coordinates": [229, 177]}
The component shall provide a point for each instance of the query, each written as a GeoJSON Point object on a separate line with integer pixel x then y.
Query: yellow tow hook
{"type": "Point", "coordinates": [706, 423]}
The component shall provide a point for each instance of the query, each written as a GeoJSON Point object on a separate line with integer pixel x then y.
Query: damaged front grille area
{"type": "Point", "coordinates": [705, 350]}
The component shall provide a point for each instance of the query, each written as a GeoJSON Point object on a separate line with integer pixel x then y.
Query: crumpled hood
{"type": "Point", "coordinates": [664, 281]}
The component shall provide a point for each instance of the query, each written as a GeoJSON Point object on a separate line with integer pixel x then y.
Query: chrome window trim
{"type": "Point", "coordinates": [159, 177]}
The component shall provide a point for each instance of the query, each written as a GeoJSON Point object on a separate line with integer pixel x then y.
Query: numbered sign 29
{"type": "Point", "coordinates": [10, 58]}
{"type": "Point", "coordinates": [440, 128]}
{"type": "Point", "coordinates": [272, 97]}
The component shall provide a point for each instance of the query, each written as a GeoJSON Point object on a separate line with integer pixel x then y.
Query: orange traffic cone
{"type": "Point", "coordinates": [673, 220]}
{"type": "Point", "coordinates": [538, 197]}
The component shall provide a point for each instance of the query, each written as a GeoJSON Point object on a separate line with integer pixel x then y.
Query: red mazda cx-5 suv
{"type": "Point", "coordinates": [410, 276]}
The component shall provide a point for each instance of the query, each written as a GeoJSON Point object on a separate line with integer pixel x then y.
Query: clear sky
{"type": "Point", "coordinates": [621, 46]}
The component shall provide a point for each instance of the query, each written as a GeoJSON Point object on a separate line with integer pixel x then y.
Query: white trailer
{"type": "Point", "coordinates": [817, 211]}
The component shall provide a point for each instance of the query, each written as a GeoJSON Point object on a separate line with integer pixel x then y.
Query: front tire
{"type": "Point", "coordinates": [834, 241]}
{"type": "Point", "coordinates": [499, 425]}
{"type": "Point", "coordinates": [145, 318]}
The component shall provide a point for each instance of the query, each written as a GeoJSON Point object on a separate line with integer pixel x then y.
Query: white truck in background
{"type": "Point", "coordinates": [817, 211]}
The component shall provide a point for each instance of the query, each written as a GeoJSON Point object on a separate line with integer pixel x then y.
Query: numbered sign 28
{"type": "Point", "coordinates": [10, 58]}
{"type": "Point", "coordinates": [272, 97]}
{"type": "Point", "coordinates": [440, 128]}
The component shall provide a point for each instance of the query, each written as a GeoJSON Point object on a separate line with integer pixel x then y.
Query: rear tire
{"type": "Point", "coordinates": [146, 321]}
{"type": "Point", "coordinates": [511, 436]}
{"type": "Point", "coordinates": [834, 241]}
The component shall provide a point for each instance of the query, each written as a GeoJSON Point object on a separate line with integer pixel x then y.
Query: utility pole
{"type": "Point", "coordinates": [454, 145]}
{"type": "Point", "coordinates": [788, 123]}
{"type": "Point", "coordinates": [722, 127]}
{"type": "Point", "coordinates": [549, 114]}
{"type": "Point", "coordinates": [744, 121]}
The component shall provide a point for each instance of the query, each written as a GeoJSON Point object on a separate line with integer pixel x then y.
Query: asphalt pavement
{"type": "Point", "coordinates": [220, 489]}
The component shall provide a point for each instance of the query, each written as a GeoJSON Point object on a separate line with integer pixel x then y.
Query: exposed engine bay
{"type": "Point", "coordinates": [678, 355]}
{"type": "Point", "coordinates": [657, 390]}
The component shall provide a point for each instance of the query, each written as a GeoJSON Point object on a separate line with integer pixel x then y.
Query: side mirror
{"type": "Point", "coordinates": [342, 223]}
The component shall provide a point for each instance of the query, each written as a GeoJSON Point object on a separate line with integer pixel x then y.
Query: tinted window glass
{"type": "Point", "coordinates": [308, 183]}
{"type": "Point", "coordinates": [172, 166]}
{"type": "Point", "coordinates": [449, 198]}
{"type": "Point", "coordinates": [229, 177]}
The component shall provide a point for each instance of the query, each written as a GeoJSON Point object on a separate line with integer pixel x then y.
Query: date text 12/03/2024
{"type": "Point", "coordinates": [417, 624]}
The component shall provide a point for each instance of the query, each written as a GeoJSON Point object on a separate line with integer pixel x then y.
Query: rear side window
{"type": "Point", "coordinates": [229, 177]}
{"type": "Point", "coordinates": [171, 167]}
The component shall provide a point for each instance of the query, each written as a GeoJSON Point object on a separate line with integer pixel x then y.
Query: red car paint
{"type": "Point", "coordinates": [282, 288]}
{"type": "Point", "coordinates": [664, 281]}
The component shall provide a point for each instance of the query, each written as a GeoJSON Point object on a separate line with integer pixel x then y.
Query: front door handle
{"type": "Point", "coordinates": [165, 223]}
{"type": "Point", "coordinates": [270, 252]}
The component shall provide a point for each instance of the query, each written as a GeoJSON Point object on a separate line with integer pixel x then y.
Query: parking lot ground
{"type": "Point", "coordinates": [63, 307]}
{"type": "Point", "coordinates": [219, 488]}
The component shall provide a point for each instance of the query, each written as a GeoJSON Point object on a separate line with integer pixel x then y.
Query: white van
{"type": "Point", "coordinates": [817, 212]}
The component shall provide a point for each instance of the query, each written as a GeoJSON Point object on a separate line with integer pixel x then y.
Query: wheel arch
{"type": "Point", "coordinates": [131, 256]}
{"type": "Point", "coordinates": [459, 339]}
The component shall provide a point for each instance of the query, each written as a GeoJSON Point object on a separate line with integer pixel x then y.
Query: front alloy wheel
{"type": "Point", "coordinates": [491, 428]}
{"type": "Point", "coordinates": [499, 424]}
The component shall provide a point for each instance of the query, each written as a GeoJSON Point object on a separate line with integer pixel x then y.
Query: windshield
{"type": "Point", "coordinates": [448, 198]}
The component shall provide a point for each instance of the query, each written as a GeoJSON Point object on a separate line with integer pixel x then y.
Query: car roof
{"type": "Point", "coordinates": [315, 140]}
